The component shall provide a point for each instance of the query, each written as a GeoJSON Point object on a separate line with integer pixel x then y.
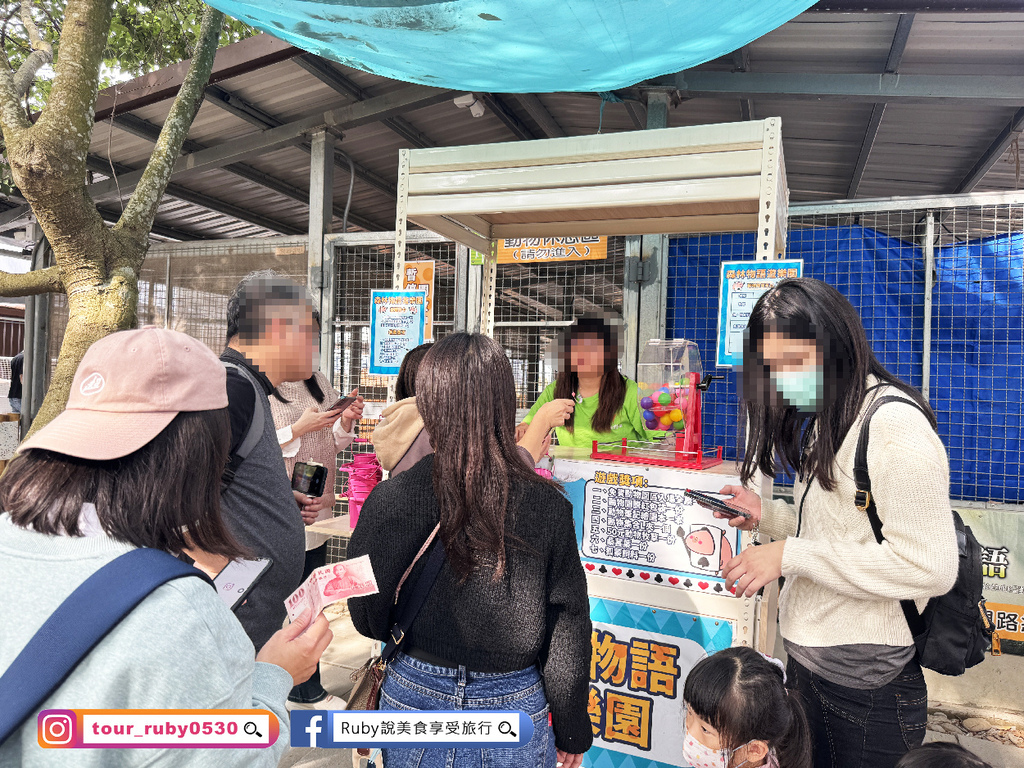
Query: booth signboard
{"type": "Point", "coordinates": [397, 320]}
{"type": "Point", "coordinates": [1001, 536]}
{"type": "Point", "coordinates": [419, 276]}
{"type": "Point", "coordinates": [634, 523]}
{"type": "Point", "coordinates": [742, 284]}
{"type": "Point", "coordinates": [640, 656]}
{"type": "Point", "coordinates": [523, 250]}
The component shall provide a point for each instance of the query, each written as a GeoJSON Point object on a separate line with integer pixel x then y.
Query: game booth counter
{"type": "Point", "coordinates": [653, 557]}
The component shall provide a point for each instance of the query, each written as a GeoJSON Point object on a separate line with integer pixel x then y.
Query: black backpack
{"type": "Point", "coordinates": [953, 631]}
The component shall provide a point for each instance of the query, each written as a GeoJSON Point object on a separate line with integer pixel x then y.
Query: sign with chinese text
{"type": "Point", "coordinates": [633, 522]}
{"type": "Point", "coordinates": [742, 284]}
{"type": "Point", "coordinates": [419, 276]}
{"type": "Point", "coordinates": [397, 320]}
{"type": "Point", "coordinates": [640, 657]}
{"type": "Point", "coordinates": [522, 250]}
{"type": "Point", "coordinates": [1001, 535]}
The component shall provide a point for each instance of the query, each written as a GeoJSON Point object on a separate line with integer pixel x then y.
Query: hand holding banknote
{"type": "Point", "coordinates": [327, 585]}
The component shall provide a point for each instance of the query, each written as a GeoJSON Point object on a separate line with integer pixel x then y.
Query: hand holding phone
{"type": "Point", "coordinates": [716, 505]}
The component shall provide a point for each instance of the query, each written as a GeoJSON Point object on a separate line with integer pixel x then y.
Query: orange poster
{"type": "Point", "coordinates": [524, 250]}
{"type": "Point", "coordinates": [419, 276]}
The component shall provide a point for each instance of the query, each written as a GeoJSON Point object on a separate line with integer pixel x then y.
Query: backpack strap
{"type": "Point", "coordinates": [252, 434]}
{"type": "Point", "coordinates": [866, 503]}
{"type": "Point", "coordinates": [77, 625]}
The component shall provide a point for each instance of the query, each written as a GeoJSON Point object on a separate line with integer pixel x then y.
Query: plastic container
{"type": "Point", "coordinates": [664, 382]}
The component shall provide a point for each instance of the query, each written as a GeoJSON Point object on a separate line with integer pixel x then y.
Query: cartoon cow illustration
{"type": "Point", "coordinates": [708, 546]}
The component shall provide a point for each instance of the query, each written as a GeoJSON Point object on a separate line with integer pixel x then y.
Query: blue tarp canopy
{"type": "Point", "coordinates": [517, 46]}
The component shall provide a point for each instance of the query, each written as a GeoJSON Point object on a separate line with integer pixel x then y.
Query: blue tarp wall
{"type": "Point", "coordinates": [977, 353]}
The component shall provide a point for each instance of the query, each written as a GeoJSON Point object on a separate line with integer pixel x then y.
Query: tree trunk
{"type": "Point", "coordinates": [97, 266]}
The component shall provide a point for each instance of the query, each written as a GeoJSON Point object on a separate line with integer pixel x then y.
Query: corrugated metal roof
{"type": "Point", "coordinates": [920, 148]}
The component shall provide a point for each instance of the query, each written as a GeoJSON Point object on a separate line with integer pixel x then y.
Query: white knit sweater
{"type": "Point", "coordinates": [842, 586]}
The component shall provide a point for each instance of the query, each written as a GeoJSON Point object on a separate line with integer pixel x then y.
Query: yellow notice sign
{"type": "Point", "coordinates": [524, 250]}
{"type": "Point", "coordinates": [419, 276]}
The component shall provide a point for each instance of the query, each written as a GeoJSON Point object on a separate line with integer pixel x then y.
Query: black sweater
{"type": "Point", "coordinates": [538, 612]}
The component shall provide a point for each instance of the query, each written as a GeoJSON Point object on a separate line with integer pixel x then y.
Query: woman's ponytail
{"type": "Point", "coordinates": [794, 748]}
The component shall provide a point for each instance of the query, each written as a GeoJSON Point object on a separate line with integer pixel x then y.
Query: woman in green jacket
{"type": "Point", "coordinates": [601, 403]}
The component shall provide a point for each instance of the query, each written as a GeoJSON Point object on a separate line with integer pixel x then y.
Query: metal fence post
{"type": "Point", "coordinates": [929, 273]}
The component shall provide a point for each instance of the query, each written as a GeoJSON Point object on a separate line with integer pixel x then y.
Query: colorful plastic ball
{"type": "Point", "coordinates": [651, 423]}
{"type": "Point", "coordinates": [664, 398]}
{"type": "Point", "coordinates": [666, 420]}
{"type": "Point", "coordinates": [648, 415]}
{"type": "Point", "coordinates": [647, 403]}
{"type": "Point", "coordinates": [676, 415]}
{"type": "Point", "coordinates": [679, 426]}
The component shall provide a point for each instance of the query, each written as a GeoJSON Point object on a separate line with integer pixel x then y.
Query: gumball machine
{"type": "Point", "coordinates": [670, 385]}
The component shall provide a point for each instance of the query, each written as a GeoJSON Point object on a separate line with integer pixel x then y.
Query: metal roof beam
{"type": "Point", "coordinates": [992, 154]}
{"type": "Point", "coordinates": [741, 63]}
{"type": "Point", "coordinates": [892, 65]}
{"type": "Point", "coordinates": [504, 113]}
{"type": "Point", "coordinates": [12, 217]}
{"type": "Point", "coordinates": [360, 113]}
{"type": "Point", "coordinates": [149, 131]}
{"type": "Point", "coordinates": [329, 76]}
{"type": "Point", "coordinates": [251, 114]}
{"type": "Point", "coordinates": [103, 165]}
{"type": "Point", "coordinates": [917, 6]}
{"type": "Point", "coordinates": [993, 89]}
{"type": "Point", "coordinates": [535, 109]}
{"type": "Point", "coordinates": [633, 110]}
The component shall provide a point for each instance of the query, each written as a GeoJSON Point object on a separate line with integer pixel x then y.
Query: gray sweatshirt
{"type": "Point", "coordinates": [181, 648]}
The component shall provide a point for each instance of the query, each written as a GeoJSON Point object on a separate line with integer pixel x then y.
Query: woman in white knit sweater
{"type": "Point", "coordinates": [809, 376]}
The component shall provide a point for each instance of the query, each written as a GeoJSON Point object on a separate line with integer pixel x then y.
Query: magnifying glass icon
{"type": "Point", "coordinates": [251, 729]}
{"type": "Point", "coordinates": [505, 727]}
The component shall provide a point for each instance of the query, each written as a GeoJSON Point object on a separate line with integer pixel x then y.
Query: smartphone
{"type": "Point", "coordinates": [710, 502]}
{"type": "Point", "coordinates": [238, 578]}
{"type": "Point", "coordinates": [343, 403]}
{"type": "Point", "coordinates": [309, 478]}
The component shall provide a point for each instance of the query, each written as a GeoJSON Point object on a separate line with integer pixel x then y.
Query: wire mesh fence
{"type": "Point", "coordinates": [535, 302]}
{"type": "Point", "coordinates": [969, 361]}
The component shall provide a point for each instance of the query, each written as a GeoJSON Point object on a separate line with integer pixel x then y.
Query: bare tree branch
{"type": "Point", "coordinates": [140, 213]}
{"type": "Point", "coordinates": [42, 52]}
{"type": "Point", "coordinates": [31, 283]}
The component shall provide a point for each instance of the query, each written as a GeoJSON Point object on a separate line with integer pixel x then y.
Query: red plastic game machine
{"type": "Point", "coordinates": [654, 558]}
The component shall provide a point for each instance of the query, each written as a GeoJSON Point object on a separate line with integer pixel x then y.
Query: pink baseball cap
{"type": "Point", "coordinates": [129, 386]}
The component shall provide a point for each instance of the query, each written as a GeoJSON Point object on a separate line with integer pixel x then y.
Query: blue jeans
{"type": "Point", "coordinates": [411, 684]}
{"type": "Point", "coordinates": [853, 728]}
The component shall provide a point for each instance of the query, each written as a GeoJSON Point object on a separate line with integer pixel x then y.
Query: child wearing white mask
{"type": "Point", "coordinates": [739, 714]}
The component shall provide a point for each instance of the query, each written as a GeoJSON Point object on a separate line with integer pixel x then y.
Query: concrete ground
{"type": "Point", "coordinates": [349, 650]}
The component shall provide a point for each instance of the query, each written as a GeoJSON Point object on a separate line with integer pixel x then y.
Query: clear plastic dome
{"type": "Point", "coordinates": [664, 375]}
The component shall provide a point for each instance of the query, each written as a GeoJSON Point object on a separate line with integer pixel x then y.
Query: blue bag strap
{"type": "Point", "coordinates": [78, 625]}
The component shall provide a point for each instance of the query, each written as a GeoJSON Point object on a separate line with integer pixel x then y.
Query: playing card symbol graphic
{"type": "Point", "coordinates": [708, 546]}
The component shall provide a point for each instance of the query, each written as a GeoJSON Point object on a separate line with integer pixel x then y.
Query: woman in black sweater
{"type": "Point", "coordinates": [507, 624]}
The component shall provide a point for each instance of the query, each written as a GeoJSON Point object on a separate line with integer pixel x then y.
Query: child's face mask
{"type": "Point", "coordinates": [699, 756]}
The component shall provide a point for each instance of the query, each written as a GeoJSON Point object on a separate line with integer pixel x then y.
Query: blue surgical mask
{"type": "Point", "coordinates": [801, 389]}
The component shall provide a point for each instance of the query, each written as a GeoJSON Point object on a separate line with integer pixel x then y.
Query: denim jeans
{"type": "Point", "coordinates": [853, 728]}
{"type": "Point", "coordinates": [411, 684]}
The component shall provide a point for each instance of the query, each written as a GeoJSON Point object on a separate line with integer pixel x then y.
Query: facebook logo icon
{"type": "Point", "coordinates": [310, 728]}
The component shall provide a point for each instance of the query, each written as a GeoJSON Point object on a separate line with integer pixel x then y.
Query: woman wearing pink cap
{"type": "Point", "coordinates": [133, 462]}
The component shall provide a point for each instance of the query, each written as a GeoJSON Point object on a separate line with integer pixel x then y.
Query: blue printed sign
{"type": "Point", "coordinates": [640, 658]}
{"type": "Point", "coordinates": [397, 324]}
{"type": "Point", "coordinates": [742, 284]}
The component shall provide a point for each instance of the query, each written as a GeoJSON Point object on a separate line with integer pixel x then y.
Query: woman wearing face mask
{"type": "Point", "coordinates": [740, 715]}
{"type": "Point", "coordinates": [809, 377]}
{"type": "Point", "coordinates": [597, 402]}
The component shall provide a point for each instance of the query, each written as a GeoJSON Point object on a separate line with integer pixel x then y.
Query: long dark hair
{"type": "Point", "coordinates": [148, 498]}
{"type": "Point", "coordinates": [612, 393]}
{"type": "Point", "coordinates": [808, 309]}
{"type": "Point", "coordinates": [17, 368]}
{"type": "Point", "coordinates": [467, 398]}
{"type": "Point", "coordinates": [743, 696]}
{"type": "Point", "coordinates": [944, 754]}
{"type": "Point", "coordinates": [405, 387]}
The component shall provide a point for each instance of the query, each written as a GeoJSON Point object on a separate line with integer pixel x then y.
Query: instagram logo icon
{"type": "Point", "coordinates": [57, 728]}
